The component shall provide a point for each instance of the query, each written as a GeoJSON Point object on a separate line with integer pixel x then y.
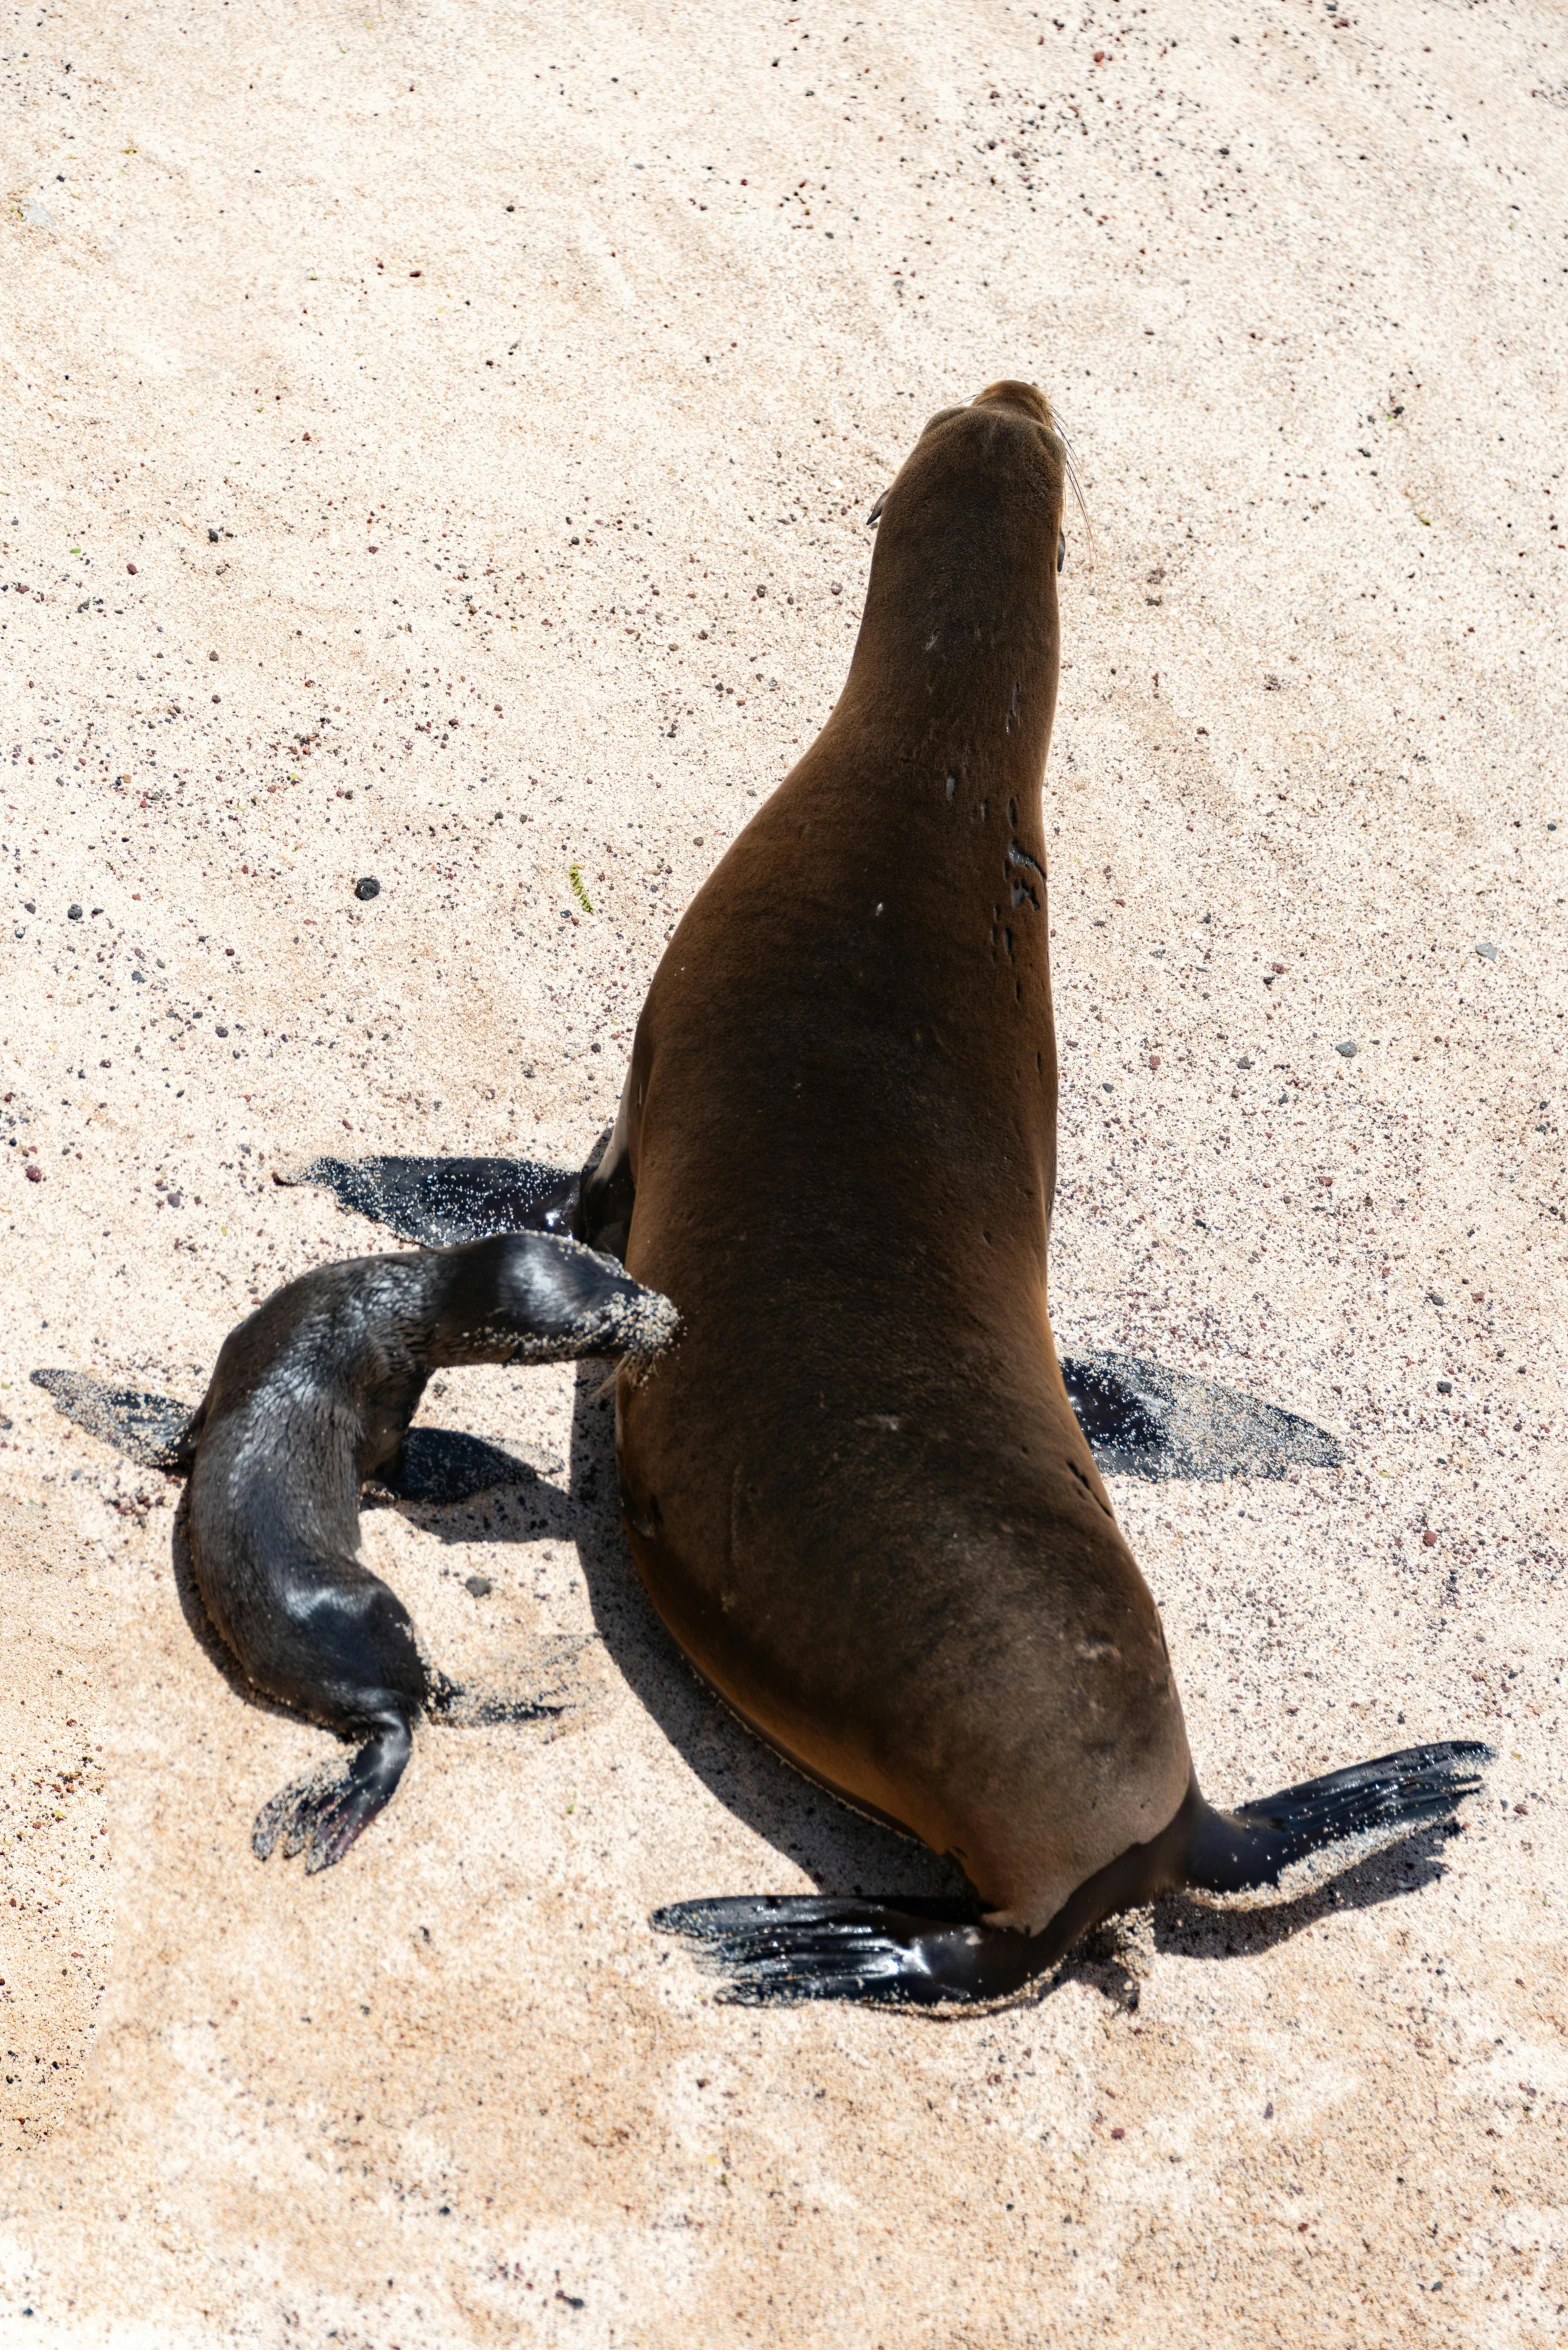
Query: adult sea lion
{"type": "Point", "coordinates": [857, 1492]}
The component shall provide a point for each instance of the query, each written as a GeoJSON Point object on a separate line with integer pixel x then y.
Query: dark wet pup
{"type": "Point", "coordinates": [311, 1398]}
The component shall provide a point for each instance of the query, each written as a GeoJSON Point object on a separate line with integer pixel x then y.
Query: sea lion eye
{"type": "Point", "coordinates": [1061, 548]}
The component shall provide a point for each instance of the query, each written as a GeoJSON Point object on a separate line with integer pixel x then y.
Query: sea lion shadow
{"type": "Point", "coordinates": [521, 1507]}
{"type": "Point", "coordinates": [1189, 1928]}
{"type": "Point", "coordinates": [837, 1848]}
{"type": "Point", "coordinates": [1115, 1959]}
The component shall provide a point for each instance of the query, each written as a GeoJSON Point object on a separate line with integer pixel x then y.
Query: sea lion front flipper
{"type": "Point", "coordinates": [1145, 1420]}
{"type": "Point", "coordinates": [442, 1201]}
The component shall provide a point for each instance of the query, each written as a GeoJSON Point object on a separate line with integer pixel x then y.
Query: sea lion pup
{"type": "Point", "coordinates": [858, 1494]}
{"type": "Point", "coordinates": [312, 1395]}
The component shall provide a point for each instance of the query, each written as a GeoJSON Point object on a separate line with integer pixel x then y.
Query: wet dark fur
{"type": "Point", "coordinates": [312, 1395]}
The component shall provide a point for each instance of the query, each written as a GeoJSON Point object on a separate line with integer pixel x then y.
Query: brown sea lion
{"type": "Point", "coordinates": [858, 1493]}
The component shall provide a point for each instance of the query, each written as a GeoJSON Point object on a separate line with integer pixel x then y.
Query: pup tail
{"type": "Point", "coordinates": [1234, 1851]}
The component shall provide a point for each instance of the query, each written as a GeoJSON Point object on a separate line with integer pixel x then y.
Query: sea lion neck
{"type": "Point", "coordinates": [957, 657]}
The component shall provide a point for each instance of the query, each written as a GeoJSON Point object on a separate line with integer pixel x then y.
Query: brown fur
{"type": "Point", "coordinates": [858, 1493]}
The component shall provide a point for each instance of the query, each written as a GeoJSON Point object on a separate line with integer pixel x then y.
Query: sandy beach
{"type": "Point", "coordinates": [438, 442]}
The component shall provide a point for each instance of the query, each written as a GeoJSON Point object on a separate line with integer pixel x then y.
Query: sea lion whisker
{"type": "Point", "coordinates": [1075, 484]}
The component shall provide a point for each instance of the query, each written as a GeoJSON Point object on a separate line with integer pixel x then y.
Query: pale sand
{"type": "Point", "coordinates": [456, 2092]}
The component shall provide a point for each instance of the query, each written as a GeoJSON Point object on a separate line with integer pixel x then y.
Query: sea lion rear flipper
{"type": "Point", "coordinates": [775, 1949]}
{"type": "Point", "coordinates": [441, 1201]}
{"type": "Point", "coordinates": [1145, 1420]}
{"type": "Point", "coordinates": [931, 1953]}
{"type": "Point", "coordinates": [322, 1814]}
{"type": "Point", "coordinates": [1233, 1852]}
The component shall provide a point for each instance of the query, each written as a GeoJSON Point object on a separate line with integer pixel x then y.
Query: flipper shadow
{"type": "Point", "coordinates": [1144, 1420]}
{"type": "Point", "coordinates": [438, 1465]}
{"type": "Point", "coordinates": [1183, 1927]}
{"type": "Point", "coordinates": [1191, 1928]}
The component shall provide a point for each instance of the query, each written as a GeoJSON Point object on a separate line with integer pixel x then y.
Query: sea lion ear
{"type": "Point", "coordinates": [875, 514]}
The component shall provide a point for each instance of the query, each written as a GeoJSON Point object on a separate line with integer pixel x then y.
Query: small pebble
{"type": "Point", "coordinates": [1347, 1048]}
{"type": "Point", "coordinates": [1244, 1062]}
{"type": "Point", "coordinates": [73, 913]}
{"type": "Point", "coordinates": [1487, 950]}
{"type": "Point", "coordinates": [1445, 1387]}
{"type": "Point", "coordinates": [1435, 1297]}
{"type": "Point", "coordinates": [369, 887]}
{"type": "Point", "coordinates": [480, 1585]}
{"type": "Point", "coordinates": [33, 1174]}
{"type": "Point", "coordinates": [220, 1032]}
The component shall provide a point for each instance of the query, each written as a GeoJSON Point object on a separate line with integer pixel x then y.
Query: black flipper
{"type": "Point", "coordinates": [774, 1949]}
{"type": "Point", "coordinates": [313, 1394]}
{"type": "Point", "coordinates": [152, 1430]}
{"type": "Point", "coordinates": [1233, 1852]}
{"type": "Point", "coordinates": [1144, 1420]}
{"type": "Point", "coordinates": [444, 1201]}
{"type": "Point", "coordinates": [927, 1953]}
{"type": "Point", "coordinates": [321, 1814]}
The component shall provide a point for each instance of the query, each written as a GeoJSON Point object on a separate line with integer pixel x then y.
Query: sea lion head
{"type": "Point", "coordinates": [963, 580]}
